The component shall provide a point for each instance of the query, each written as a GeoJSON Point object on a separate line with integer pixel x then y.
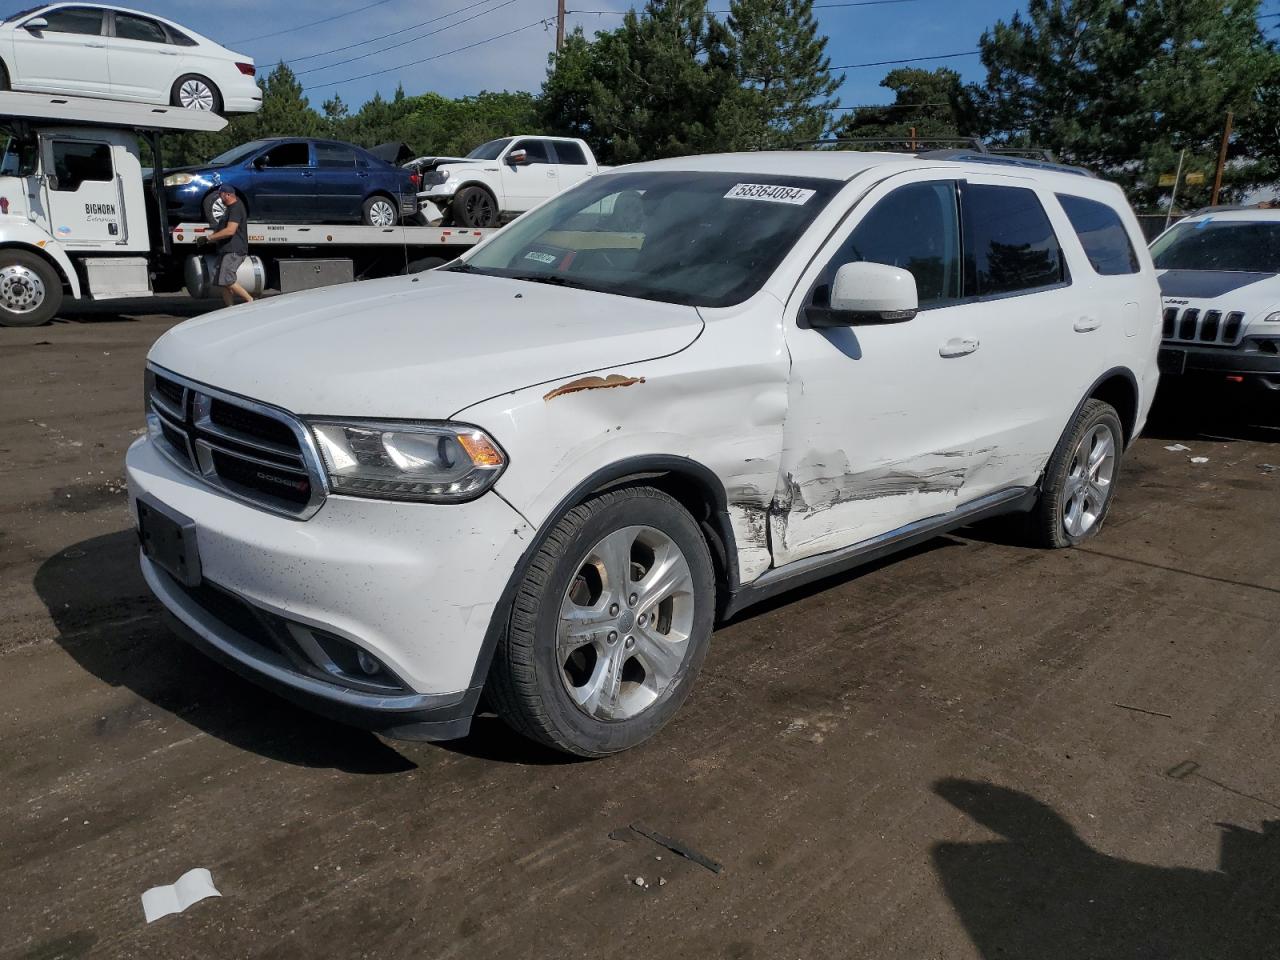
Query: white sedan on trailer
{"type": "Point", "coordinates": [88, 50]}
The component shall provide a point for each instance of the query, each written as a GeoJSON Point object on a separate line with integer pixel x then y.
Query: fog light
{"type": "Point", "coordinates": [367, 663]}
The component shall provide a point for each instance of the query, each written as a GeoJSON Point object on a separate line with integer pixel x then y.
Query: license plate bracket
{"type": "Point", "coordinates": [169, 540]}
{"type": "Point", "coordinates": [1171, 361]}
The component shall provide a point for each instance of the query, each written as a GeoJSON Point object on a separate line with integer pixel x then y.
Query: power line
{"type": "Point", "coordinates": [393, 33]}
{"type": "Point", "coordinates": [816, 6]}
{"type": "Point", "coordinates": [312, 23]}
{"type": "Point", "coordinates": [413, 63]}
{"type": "Point", "coordinates": [393, 46]}
{"type": "Point", "coordinates": [885, 63]}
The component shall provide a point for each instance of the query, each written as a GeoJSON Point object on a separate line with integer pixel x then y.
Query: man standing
{"type": "Point", "coordinates": [232, 239]}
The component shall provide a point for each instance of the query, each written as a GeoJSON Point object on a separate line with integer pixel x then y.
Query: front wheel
{"type": "Point", "coordinates": [609, 626]}
{"type": "Point", "coordinates": [194, 92]}
{"type": "Point", "coordinates": [474, 207]}
{"type": "Point", "coordinates": [379, 212]}
{"type": "Point", "coordinates": [1080, 481]}
{"type": "Point", "coordinates": [30, 290]}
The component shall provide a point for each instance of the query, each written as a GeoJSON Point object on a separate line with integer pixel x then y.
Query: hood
{"type": "Point", "coordinates": [430, 163]}
{"type": "Point", "coordinates": [1209, 284]}
{"type": "Point", "coordinates": [420, 347]}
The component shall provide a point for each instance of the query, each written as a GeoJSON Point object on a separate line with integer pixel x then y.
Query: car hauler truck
{"type": "Point", "coordinates": [77, 218]}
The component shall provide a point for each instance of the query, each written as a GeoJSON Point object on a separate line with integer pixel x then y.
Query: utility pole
{"type": "Point", "coordinates": [559, 25]}
{"type": "Point", "coordinates": [1222, 160]}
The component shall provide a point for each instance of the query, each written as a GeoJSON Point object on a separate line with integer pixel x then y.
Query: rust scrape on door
{"type": "Point", "coordinates": [593, 383]}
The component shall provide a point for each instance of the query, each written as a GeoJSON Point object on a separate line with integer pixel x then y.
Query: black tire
{"type": "Point", "coordinates": [175, 93]}
{"type": "Point", "coordinates": [211, 198]}
{"type": "Point", "coordinates": [527, 685]}
{"type": "Point", "coordinates": [39, 300]}
{"type": "Point", "coordinates": [1046, 524]}
{"type": "Point", "coordinates": [380, 200]}
{"type": "Point", "coordinates": [475, 207]}
{"type": "Point", "coordinates": [4, 77]}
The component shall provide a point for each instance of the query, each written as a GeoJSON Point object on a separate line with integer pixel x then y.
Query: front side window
{"type": "Point", "coordinates": [916, 228]}
{"type": "Point", "coordinates": [335, 155]}
{"type": "Point", "coordinates": [698, 238]}
{"type": "Point", "coordinates": [75, 162]}
{"type": "Point", "coordinates": [1106, 242]}
{"type": "Point", "coordinates": [287, 155]}
{"type": "Point", "coordinates": [1010, 246]}
{"type": "Point", "coordinates": [130, 27]}
{"type": "Point", "coordinates": [1209, 244]}
{"type": "Point", "coordinates": [535, 150]}
{"type": "Point", "coordinates": [82, 20]}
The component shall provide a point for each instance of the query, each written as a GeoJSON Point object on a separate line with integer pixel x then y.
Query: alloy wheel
{"type": "Point", "coordinates": [480, 209]}
{"type": "Point", "coordinates": [381, 214]}
{"type": "Point", "coordinates": [21, 289]}
{"type": "Point", "coordinates": [625, 622]}
{"type": "Point", "coordinates": [1088, 485]}
{"type": "Point", "coordinates": [195, 95]}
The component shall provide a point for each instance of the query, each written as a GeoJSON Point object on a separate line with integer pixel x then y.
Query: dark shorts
{"type": "Point", "coordinates": [228, 264]}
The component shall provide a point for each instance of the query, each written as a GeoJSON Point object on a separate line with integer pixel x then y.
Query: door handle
{"type": "Point", "coordinates": [1085, 324]}
{"type": "Point", "coordinates": [958, 347]}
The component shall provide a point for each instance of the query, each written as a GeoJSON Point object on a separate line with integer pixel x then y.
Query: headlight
{"type": "Point", "coordinates": [1272, 317]}
{"type": "Point", "coordinates": [434, 178]}
{"type": "Point", "coordinates": [180, 179]}
{"type": "Point", "coordinates": [431, 462]}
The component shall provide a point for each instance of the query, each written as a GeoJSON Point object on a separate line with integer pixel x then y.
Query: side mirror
{"type": "Point", "coordinates": [35, 24]}
{"type": "Point", "coordinates": [518, 158]}
{"type": "Point", "coordinates": [865, 293]}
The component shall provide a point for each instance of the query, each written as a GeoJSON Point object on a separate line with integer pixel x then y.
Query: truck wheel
{"type": "Point", "coordinates": [475, 207]}
{"type": "Point", "coordinates": [379, 211]}
{"type": "Point", "coordinates": [194, 92]}
{"type": "Point", "coordinates": [609, 625]}
{"type": "Point", "coordinates": [30, 290]}
{"type": "Point", "coordinates": [1080, 481]}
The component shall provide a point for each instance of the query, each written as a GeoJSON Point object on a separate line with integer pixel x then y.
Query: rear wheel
{"type": "Point", "coordinates": [1080, 481]}
{"type": "Point", "coordinates": [609, 626]}
{"type": "Point", "coordinates": [475, 207]}
{"type": "Point", "coordinates": [30, 289]}
{"type": "Point", "coordinates": [379, 211]}
{"type": "Point", "coordinates": [194, 92]}
{"type": "Point", "coordinates": [4, 77]}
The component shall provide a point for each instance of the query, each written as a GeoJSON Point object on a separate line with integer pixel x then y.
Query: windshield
{"type": "Point", "coordinates": [1248, 245]}
{"type": "Point", "coordinates": [704, 239]}
{"type": "Point", "coordinates": [237, 153]}
{"type": "Point", "coordinates": [19, 158]}
{"type": "Point", "coordinates": [490, 150]}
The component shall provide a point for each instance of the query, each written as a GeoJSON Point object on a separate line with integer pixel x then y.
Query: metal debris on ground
{"type": "Point", "coordinates": [1152, 713]}
{"type": "Point", "coordinates": [675, 846]}
{"type": "Point", "coordinates": [1268, 467]}
{"type": "Point", "coordinates": [192, 887]}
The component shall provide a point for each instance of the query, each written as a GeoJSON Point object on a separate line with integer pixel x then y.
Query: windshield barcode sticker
{"type": "Point", "coordinates": [773, 193]}
{"type": "Point", "coordinates": [541, 257]}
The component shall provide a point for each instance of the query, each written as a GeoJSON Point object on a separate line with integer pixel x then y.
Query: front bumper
{"type": "Point", "coordinates": [1250, 361]}
{"type": "Point", "coordinates": [414, 585]}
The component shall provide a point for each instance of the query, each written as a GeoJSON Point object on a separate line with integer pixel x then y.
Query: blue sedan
{"type": "Point", "coordinates": [295, 181]}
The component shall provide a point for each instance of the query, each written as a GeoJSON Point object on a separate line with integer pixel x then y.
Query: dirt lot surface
{"type": "Point", "coordinates": [975, 750]}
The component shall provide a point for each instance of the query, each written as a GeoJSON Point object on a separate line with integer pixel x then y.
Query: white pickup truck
{"type": "Point", "coordinates": [502, 178]}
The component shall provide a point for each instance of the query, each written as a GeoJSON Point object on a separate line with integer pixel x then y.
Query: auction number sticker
{"type": "Point", "coordinates": [770, 192]}
{"type": "Point", "coordinates": [541, 257]}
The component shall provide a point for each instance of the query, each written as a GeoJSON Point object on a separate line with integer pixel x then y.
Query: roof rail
{"type": "Point", "coordinates": [1227, 207]}
{"type": "Point", "coordinates": [1013, 159]}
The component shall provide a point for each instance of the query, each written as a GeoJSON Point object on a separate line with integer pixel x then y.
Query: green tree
{"type": "Point", "coordinates": [927, 104]}
{"type": "Point", "coordinates": [784, 89]}
{"type": "Point", "coordinates": [1122, 86]}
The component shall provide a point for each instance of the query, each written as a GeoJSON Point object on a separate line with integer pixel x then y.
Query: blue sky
{"type": "Point", "coordinates": [857, 34]}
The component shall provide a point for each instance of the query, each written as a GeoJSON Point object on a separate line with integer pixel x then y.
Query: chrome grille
{"type": "Point", "coordinates": [247, 449]}
{"type": "Point", "coordinates": [1211, 327]}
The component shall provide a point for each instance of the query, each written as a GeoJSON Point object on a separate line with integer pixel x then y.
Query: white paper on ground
{"type": "Point", "coordinates": [192, 886]}
{"type": "Point", "coordinates": [1199, 459]}
{"type": "Point", "coordinates": [1177, 448]}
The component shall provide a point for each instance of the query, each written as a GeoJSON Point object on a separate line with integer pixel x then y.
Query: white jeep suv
{"type": "Point", "coordinates": [546, 469]}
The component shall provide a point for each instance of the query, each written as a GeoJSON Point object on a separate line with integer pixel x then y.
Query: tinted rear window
{"type": "Point", "coordinates": [1102, 234]}
{"type": "Point", "coordinates": [1010, 246]}
{"type": "Point", "coordinates": [570, 153]}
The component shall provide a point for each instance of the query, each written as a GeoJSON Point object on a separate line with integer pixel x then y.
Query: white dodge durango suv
{"type": "Point", "coordinates": [544, 471]}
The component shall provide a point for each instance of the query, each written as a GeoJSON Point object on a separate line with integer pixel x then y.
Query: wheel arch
{"type": "Point", "coordinates": [487, 188]}
{"type": "Point", "coordinates": [1118, 387]}
{"type": "Point", "coordinates": [60, 262]}
{"type": "Point", "coordinates": [693, 485]}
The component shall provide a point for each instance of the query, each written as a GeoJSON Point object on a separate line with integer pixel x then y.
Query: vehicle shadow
{"type": "Point", "coordinates": [1182, 412]}
{"type": "Point", "coordinates": [109, 624]}
{"type": "Point", "coordinates": [128, 311]}
{"type": "Point", "coordinates": [1041, 891]}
